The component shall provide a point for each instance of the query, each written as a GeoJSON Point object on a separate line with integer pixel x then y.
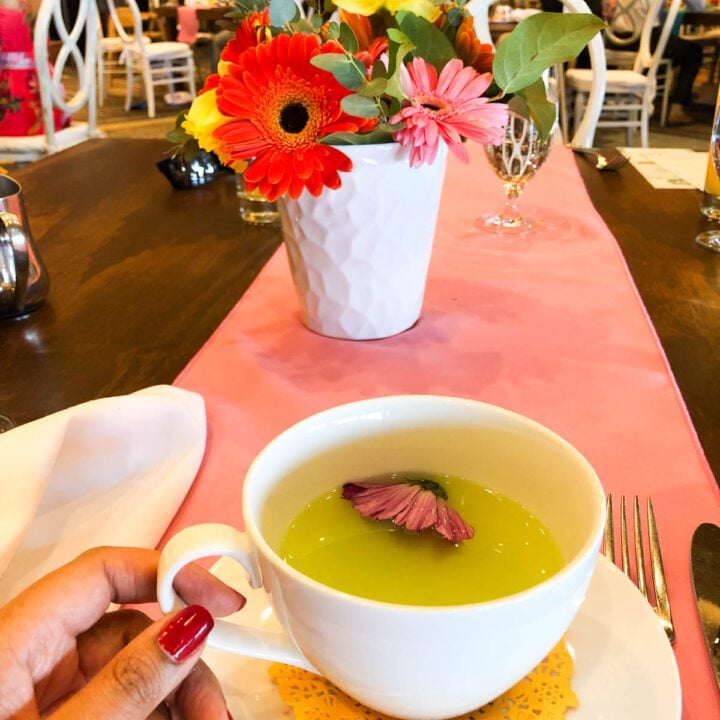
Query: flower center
{"type": "Point", "coordinates": [294, 117]}
{"type": "Point", "coordinates": [430, 485]}
{"type": "Point", "coordinates": [433, 105]}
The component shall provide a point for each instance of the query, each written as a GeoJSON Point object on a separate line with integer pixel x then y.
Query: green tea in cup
{"type": "Point", "coordinates": [511, 550]}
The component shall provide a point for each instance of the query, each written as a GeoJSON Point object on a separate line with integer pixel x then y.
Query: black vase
{"type": "Point", "coordinates": [185, 174]}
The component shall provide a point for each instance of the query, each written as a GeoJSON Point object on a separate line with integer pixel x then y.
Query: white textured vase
{"type": "Point", "coordinates": [359, 255]}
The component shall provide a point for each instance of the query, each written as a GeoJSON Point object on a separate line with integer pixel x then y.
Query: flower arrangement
{"type": "Point", "coordinates": [292, 86]}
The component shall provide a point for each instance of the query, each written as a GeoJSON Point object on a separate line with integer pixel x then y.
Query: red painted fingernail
{"type": "Point", "coordinates": [185, 632]}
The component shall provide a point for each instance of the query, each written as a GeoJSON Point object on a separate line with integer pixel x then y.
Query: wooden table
{"type": "Point", "coordinates": [141, 275]}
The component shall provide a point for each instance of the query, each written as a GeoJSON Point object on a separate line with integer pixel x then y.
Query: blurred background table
{"type": "Point", "coordinates": [167, 17]}
{"type": "Point", "coordinates": [141, 275]}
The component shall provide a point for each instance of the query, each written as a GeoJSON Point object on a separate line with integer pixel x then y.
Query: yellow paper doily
{"type": "Point", "coordinates": [544, 694]}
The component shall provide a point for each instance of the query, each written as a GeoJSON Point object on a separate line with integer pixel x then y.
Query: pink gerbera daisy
{"type": "Point", "coordinates": [449, 108]}
{"type": "Point", "coordinates": [415, 504]}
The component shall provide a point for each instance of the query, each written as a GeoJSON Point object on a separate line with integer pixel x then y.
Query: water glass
{"type": "Point", "coordinates": [710, 239]}
{"type": "Point", "coordinates": [515, 160]}
{"type": "Point", "coordinates": [255, 208]}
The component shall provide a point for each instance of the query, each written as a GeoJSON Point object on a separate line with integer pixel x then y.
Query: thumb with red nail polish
{"type": "Point", "coordinates": [146, 672]}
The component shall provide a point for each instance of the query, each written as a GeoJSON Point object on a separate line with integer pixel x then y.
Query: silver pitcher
{"type": "Point", "coordinates": [23, 277]}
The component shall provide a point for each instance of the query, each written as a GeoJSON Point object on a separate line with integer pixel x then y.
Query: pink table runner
{"type": "Point", "coordinates": [549, 326]}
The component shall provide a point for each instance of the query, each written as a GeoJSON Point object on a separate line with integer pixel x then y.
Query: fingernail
{"type": "Point", "coordinates": [185, 632]}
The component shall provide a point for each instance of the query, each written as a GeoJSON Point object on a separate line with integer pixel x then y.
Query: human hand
{"type": "Point", "coordinates": [63, 657]}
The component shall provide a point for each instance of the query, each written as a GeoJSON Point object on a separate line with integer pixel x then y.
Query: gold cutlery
{"type": "Point", "coordinates": [662, 600]}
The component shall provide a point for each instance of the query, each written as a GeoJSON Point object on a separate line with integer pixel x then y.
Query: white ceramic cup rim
{"type": "Point", "coordinates": [327, 417]}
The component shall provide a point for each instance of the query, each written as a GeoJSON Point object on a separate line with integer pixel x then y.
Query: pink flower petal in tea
{"type": "Point", "coordinates": [408, 504]}
{"type": "Point", "coordinates": [450, 525]}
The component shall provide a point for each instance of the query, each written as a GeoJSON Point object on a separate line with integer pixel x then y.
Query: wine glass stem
{"type": "Point", "coordinates": [512, 193]}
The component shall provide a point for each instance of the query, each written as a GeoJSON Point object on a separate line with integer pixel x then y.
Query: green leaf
{"type": "Point", "coordinates": [371, 138]}
{"type": "Point", "coordinates": [374, 88]}
{"type": "Point", "coordinates": [348, 39]}
{"type": "Point", "coordinates": [282, 12]}
{"type": "Point", "coordinates": [317, 21]}
{"type": "Point", "coordinates": [379, 70]}
{"type": "Point", "coordinates": [359, 106]}
{"type": "Point", "coordinates": [539, 42]}
{"type": "Point", "coordinates": [397, 53]}
{"type": "Point", "coordinates": [348, 71]}
{"type": "Point", "coordinates": [301, 25]}
{"type": "Point", "coordinates": [177, 136]}
{"type": "Point", "coordinates": [537, 107]}
{"type": "Point", "coordinates": [333, 31]}
{"type": "Point", "coordinates": [430, 42]}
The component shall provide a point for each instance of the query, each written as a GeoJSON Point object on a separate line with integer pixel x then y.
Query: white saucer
{"type": "Point", "coordinates": [624, 666]}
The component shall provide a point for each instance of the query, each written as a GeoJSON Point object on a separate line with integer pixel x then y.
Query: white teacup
{"type": "Point", "coordinates": [419, 663]}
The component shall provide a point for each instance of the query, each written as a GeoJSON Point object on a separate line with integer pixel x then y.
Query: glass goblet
{"type": "Point", "coordinates": [6, 424]}
{"type": "Point", "coordinates": [515, 160]}
{"type": "Point", "coordinates": [710, 239]}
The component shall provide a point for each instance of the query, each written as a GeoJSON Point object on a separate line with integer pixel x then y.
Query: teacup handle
{"type": "Point", "coordinates": [211, 539]}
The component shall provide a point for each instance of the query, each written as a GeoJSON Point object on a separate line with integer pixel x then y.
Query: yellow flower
{"type": "Point", "coordinates": [423, 8]}
{"type": "Point", "coordinates": [201, 121]}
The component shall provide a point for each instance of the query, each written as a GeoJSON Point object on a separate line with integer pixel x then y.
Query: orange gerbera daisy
{"type": "Point", "coordinates": [253, 30]}
{"type": "Point", "coordinates": [282, 105]}
{"type": "Point", "coordinates": [470, 50]}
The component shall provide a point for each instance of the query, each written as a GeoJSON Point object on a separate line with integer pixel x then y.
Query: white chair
{"type": "Point", "coordinates": [630, 94]}
{"type": "Point", "coordinates": [51, 90]}
{"type": "Point", "coordinates": [625, 29]}
{"type": "Point", "coordinates": [584, 133]}
{"type": "Point", "coordinates": [155, 64]}
{"type": "Point", "coordinates": [110, 61]}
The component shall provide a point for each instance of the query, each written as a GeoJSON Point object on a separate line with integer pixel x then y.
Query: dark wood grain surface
{"type": "Point", "coordinates": [678, 281]}
{"type": "Point", "coordinates": [141, 275]}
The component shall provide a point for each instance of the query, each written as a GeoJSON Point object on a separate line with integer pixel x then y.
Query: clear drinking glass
{"type": "Point", "coordinates": [6, 424]}
{"type": "Point", "coordinates": [711, 238]}
{"type": "Point", "coordinates": [254, 206]}
{"type": "Point", "coordinates": [515, 160]}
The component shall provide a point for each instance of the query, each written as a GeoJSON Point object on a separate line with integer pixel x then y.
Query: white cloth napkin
{"type": "Point", "coordinates": [108, 472]}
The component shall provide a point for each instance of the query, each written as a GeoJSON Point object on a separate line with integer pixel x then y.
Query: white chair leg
{"type": "Point", "coordinates": [578, 110]}
{"type": "Point", "coordinates": [167, 64]}
{"type": "Point", "coordinates": [130, 80]}
{"type": "Point", "coordinates": [100, 80]}
{"type": "Point", "coordinates": [644, 124]}
{"type": "Point", "coordinates": [149, 91]}
{"type": "Point", "coordinates": [669, 77]}
{"type": "Point", "coordinates": [191, 77]}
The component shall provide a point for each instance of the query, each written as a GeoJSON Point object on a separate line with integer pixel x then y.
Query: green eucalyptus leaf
{"type": "Point", "coordinates": [371, 138]}
{"type": "Point", "coordinates": [538, 108]}
{"type": "Point", "coordinates": [333, 32]}
{"type": "Point", "coordinates": [360, 106]}
{"type": "Point", "coordinates": [317, 21]}
{"type": "Point", "coordinates": [431, 43]}
{"type": "Point", "coordinates": [282, 12]}
{"type": "Point", "coordinates": [301, 25]}
{"type": "Point", "coordinates": [348, 71]}
{"type": "Point", "coordinates": [348, 39]}
{"type": "Point", "coordinates": [539, 42]}
{"type": "Point", "coordinates": [374, 88]}
{"type": "Point", "coordinates": [379, 70]}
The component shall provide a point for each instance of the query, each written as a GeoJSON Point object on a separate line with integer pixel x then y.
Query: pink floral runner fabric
{"type": "Point", "coordinates": [549, 326]}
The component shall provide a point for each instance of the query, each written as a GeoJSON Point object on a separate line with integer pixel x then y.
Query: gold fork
{"type": "Point", "coordinates": [662, 604]}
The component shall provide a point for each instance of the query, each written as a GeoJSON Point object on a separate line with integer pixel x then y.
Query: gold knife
{"type": "Point", "coordinates": [705, 556]}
